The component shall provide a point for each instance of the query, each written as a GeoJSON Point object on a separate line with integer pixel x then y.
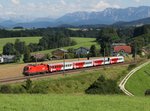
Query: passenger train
{"type": "Point", "coordinates": [33, 69]}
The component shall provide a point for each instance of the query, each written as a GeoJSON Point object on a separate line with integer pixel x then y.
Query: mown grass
{"type": "Point", "coordinates": [140, 81]}
{"type": "Point", "coordinates": [27, 40]}
{"type": "Point", "coordinates": [81, 42]}
{"type": "Point", "coordinates": [55, 102]}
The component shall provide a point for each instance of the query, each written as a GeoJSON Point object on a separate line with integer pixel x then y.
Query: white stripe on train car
{"type": "Point", "coordinates": [88, 63]}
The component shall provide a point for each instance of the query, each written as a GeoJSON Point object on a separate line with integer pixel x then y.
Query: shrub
{"type": "Point", "coordinates": [6, 89]}
{"type": "Point", "coordinates": [103, 86]}
{"type": "Point", "coordinates": [18, 90]}
{"type": "Point", "coordinates": [131, 66]}
{"type": "Point", "coordinates": [148, 56]}
{"type": "Point", "coordinates": [147, 92]}
{"type": "Point", "coordinates": [38, 89]}
{"type": "Point", "coordinates": [28, 86]}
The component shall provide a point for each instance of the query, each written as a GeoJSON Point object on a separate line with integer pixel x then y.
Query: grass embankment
{"type": "Point", "coordinates": [55, 102]}
{"type": "Point", "coordinates": [27, 40]}
{"type": "Point", "coordinates": [77, 82]}
{"type": "Point", "coordinates": [140, 81]}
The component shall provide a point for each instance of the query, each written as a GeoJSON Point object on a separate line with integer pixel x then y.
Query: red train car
{"type": "Point", "coordinates": [55, 67]}
{"type": "Point", "coordinates": [78, 64]}
{"type": "Point", "coordinates": [114, 60]}
{"type": "Point", "coordinates": [35, 69]}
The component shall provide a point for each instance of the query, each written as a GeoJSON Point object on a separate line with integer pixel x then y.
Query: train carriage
{"type": "Point", "coordinates": [60, 66]}
{"type": "Point", "coordinates": [98, 62]}
{"type": "Point", "coordinates": [78, 64]}
{"type": "Point", "coordinates": [55, 67]}
{"type": "Point", "coordinates": [88, 63]}
{"type": "Point", "coordinates": [114, 60]}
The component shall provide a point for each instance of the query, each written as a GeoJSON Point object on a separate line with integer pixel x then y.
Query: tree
{"type": "Point", "coordinates": [19, 46]}
{"type": "Point", "coordinates": [103, 86]}
{"type": "Point", "coordinates": [9, 49]}
{"type": "Point", "coordinates": [17, 56]}
{"type": "Point", "coordinates": [93, 51]}
{"type": "Point", "coordinates": [106, 37]}
{"type": "Point", "coordinates": [27, 56]}
{"type": "Point", "coordinates": [28, 86]}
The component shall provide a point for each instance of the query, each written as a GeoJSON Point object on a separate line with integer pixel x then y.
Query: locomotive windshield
{"type": "Point", "coordinates": [26, 68]}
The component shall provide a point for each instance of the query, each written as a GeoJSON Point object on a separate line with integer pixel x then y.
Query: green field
{"type": "Point", "coordinates": [140, 81]}
{"type": "Point", "coordinates": [54, 102]}
{"type": "Point", "coordinates": [81, 42]}
{"type": "Point", "coordinates": [28, 40]}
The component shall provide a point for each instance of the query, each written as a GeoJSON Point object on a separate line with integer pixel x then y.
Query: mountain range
{"type": "Point", "coordinates": [108, 16]}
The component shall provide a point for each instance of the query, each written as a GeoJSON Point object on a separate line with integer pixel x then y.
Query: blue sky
{"type": "Point", "coordinates": [56, 8]}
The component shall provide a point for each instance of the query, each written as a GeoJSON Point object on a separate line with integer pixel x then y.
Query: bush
{"type": "Point", "coordinates": [147, 92]}
{"type": "Point", "coordinates": [18, 90]}
{"type": "Point", "coordinates": [148, 56]}
{"type": "Point", "coordinates": [131, 66]}
{"type": "Point", "coordinates": [39, 90]}
{"type": "Point", "coordinates": [6, 89]}
{"type": "Point", "coordinates": [28, 86]}
{"type": "Point", "coordinates": [103, 86]}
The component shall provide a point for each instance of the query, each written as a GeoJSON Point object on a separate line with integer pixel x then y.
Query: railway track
{"type": "Point", "coordinates": [40, 76]}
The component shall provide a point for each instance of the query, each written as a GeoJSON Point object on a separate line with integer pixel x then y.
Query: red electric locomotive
{"type": "Point", "coordinates": [35, 69]}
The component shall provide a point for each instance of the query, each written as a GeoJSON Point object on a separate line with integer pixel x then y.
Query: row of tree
{"type": "Point", "coordinates": [41, 31]}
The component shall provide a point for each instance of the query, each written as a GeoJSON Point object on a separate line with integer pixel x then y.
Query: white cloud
{"type": "Point", "coordinates": [137, 0]}
{"type": "Point", "coordinates": [16, 2]}
{"type": "Point", "coordinates": [101, 5]}
{"type": "Point", "coordinates": [1, 6]}
{"type": "Point", "coordinates": [62, 2]}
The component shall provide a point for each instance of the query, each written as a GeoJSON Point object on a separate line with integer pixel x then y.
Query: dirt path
{"type": "Point", "coordinates": [124, 81]}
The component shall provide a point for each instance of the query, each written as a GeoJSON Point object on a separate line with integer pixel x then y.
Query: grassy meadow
{"type": "Point", "coordinates": [140, 81]}
{"type": "Point", "coordinates": [81, 42]}
{"type": "Point", "coordinates": [28, 40]}
{"type": "Point", "coordinates": [53, 102]}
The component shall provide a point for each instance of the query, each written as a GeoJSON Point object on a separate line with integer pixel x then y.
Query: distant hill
{"type": "Point", "coordinates": [34, 24]}
{"type": "Point", "coordinates": [139, 22]}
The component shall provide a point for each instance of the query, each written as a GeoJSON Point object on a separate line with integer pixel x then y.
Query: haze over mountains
{"type": "Point", "coordinates": [108, 16]}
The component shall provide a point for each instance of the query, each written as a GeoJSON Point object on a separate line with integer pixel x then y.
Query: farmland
{"type": "Point", "coordinates": [27, 40]}
{"type": "Point", "coordinates": [81, 42]}
{"type": "Point", "coordinates": [63, 102]}
{"type": "Point", "coordinates": [140, 81]}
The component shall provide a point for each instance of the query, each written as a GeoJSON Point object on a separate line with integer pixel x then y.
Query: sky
{"type": "Point", "coordinates": [32, 9]}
